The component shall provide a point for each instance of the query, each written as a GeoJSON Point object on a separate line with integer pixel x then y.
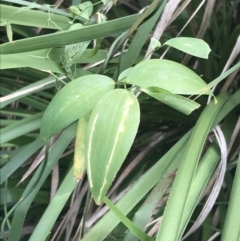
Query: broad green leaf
{"type": "Point", "coordinates": [177, 102]}
{"type": "Point", "coordinates": [112, 128]}
{"type": "Point", "coordinates": [73, 101]}
{"type": "Point", "coordinates": [167, 75]}
{"type": "Point", "coordinates": [193, 46]}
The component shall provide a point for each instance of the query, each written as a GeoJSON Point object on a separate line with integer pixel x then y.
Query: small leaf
{"type": "Point", "coordinates": [74, 11]}
{"type": "Point", "coordinates": [180, 103]}
{"type": "Point", "coordinates": [124, 74]}
{"type": "Point", "coordinates": [96, 48]}
{"type": "Point", "coordinates": [79, 152]}
{"type": "Point", "coordinates": [9, 32]}
{"type": "Point", "coordinates": [73, 101]}
{"type": "Point", "coordinates": [111, 131]}
{"type": "Point", "coordinates": [193, 46]}
{"type": "Point", "coordinates": [101, 18]}
{"type": "Point", "coordinates": [167, 75]}
{"type": "Point", "coordinates": [73, 52]}
{"type": "Point", "coordinates": [86, 9]}
{"type": "Point", "coordinates": [106, 1]}
{"type": "Point", "coordinates": [155, 44]}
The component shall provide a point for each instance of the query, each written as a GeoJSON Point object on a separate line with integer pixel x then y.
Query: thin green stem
{"type": "Point", "coordinates": [128, 223]}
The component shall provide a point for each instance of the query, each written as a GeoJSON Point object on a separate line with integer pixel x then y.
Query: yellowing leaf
{"type": "Point", "coordinates": [79, 152]}
{"type": "Point", "coordinates": [111, 131]}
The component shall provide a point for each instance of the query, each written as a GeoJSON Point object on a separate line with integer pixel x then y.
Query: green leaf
{"type": "Point", "coordinates": [35, 18]}
{"type": "Point", "coordinates": [69, 37]}
{"type": "Point", "coordinates": [231, 228]}
{"type": "Point", "coordinates": [106, 1]}
{"type": "Point", "coordinates": [167, 75]}
{"type": "Point", "coordinates": [112, 128]}
{"type": "Point", "coordinates": [9, 32]}
{"type": "Point", "coordinates": [177, 102]}
{"type": "Point", "coordinates": [86, 9]}
{"type": "Point", "coordinates": [173, 212]}
{"type": "Point", "coordinates": [124, 74]}
{"type": "Point", "coordinates": [155, 43]}
{"type": "Point", "coordinates": [73, 101]}
{"type": "Point", "coordinates": [48, 219]}
{"type": "Point", "coordinates": [97, 46]}
{"type": "Point", "coordinates": [73, 52]}
{"type": "Point", "coordinates": [193, 46]}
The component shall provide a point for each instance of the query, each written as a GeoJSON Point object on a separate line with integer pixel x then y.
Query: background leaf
{"type": "Point", "coordinates": [193, 46]}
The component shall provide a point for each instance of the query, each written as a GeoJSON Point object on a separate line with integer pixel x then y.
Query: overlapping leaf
{"type": "Point", "coordinates": [177, 102]}
{"type": "Point", "coordinates": [167, 75]}
{"type": "Point", "coordinates": [112, 128]}
{"type": "Point", "coordinates": [73, 101]}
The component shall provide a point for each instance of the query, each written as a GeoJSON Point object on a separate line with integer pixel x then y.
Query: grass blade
{"type": "Point", "coordinates": [231, 228]}
{"type": "Point", "coordinates": [69, 37]}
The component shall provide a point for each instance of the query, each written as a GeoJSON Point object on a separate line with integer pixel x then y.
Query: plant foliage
{"type": "Point", "coordinates": [131, 106]}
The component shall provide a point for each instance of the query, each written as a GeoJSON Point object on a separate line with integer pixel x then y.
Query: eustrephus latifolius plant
{"type": "Point", "coordinates": [123, 98]}
{"type": "Point", "coordinates": [115, 115]}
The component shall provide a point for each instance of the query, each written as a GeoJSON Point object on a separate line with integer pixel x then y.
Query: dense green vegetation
{"type": "Point", "coordinates": [113, 104]}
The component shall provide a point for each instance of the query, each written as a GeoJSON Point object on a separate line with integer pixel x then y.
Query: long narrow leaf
{"type": "Point", "coordinates": [69, 37]}
{"type": "Point", "coordinates": [33, 187]}
{"type": "Point", "coordinates": [180, 190]}
{"type": "Point", "coordinates": [53, 210]}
